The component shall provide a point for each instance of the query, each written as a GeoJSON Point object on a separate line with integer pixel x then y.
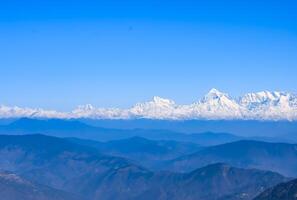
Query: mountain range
{"type": "Point", "coordinates": [214, 105]}
{"type": "Point", "coordinates": [278, 157]}
{"type": "Point", "coordinates": [145, 152]}
{"type": "Point", "coordinates": [186, 157]}
{"type": "Point", "coordinates": [73, 128]}
{"type": "Point", "coordinates": [84, 171]}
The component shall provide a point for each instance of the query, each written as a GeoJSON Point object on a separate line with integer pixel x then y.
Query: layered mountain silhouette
{"type": "Point", "coordinates": [278, 157]}
{"type": "Point", "coordinates": [200, 132]}
{"type": "Point", "coordinates": [63, 165]}
{"type": "Point", "coordinates": [149, 153]}
{"type": "Point", "coordinates": [73, 128]}
{"type": "Point", "coordinates": [217, 181]}
{"type": "Point", "coordinates": [85, 171]}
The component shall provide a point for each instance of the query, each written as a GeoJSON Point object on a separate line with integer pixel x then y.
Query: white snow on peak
{"type": "Point", "coordinates": [158, 108]}
{"type": "Point", "coordinates": [87, 107]}
{"type": "Point", "coordinates": [16, 112]}
{"type": "Point", "coordinates": [158, 101]}
{"type": "Point", "coordinates": [270, 105]}
{"type": "Point", "coordinates": [214, 105]}
{"type": "Point", "coordinates": [214, 93]}
{"type": "Point", "coordinates": [217, 98]}
{"type": "Point", "coordinates": [262, 97]}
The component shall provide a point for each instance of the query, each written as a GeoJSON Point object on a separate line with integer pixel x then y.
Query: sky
{"type": "Point", "coordinates": [60, 54]}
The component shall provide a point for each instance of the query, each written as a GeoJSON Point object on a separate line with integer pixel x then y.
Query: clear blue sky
{"type": "Point", "coordinates": [58, 54]}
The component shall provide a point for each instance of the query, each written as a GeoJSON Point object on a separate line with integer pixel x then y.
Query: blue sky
{"type": "Point", "coordinates": [59, 54]}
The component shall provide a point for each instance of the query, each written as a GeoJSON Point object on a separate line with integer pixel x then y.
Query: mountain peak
{"type": "Point", "coordinates": [162, 101]}
{"type": "Point", "coordinates": [87, 107]}
{"type": "Point", "coordinates": [215, 104]}
{"type": "Point", "coordinates": [214, 93]}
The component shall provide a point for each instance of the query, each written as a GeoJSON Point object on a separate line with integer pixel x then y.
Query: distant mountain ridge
{"type": "Point", "coordinates": [82, 170]}
{"type": "Point", "coordinates": [73, 128]}
{"type": "Point", "coordinates": [278, 157]}
{"type": "Point", "coordinates": [145, 152]}
{"type": "Point", "coordinates": [213, 182]}
{"type": "Point", "coordinates": [214, 105]}
{"type": "Point", "coordinates": [271, 131]}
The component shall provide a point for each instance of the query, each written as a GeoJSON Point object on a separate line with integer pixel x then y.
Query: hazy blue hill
{"type": "Point", "coordinates": [213, 182]}
{"type": "Point", "coordinates": [70, 128]}
{"type": "Point", "coordinates": [48, 124]}
{"type": "Point", "coordinates": [139, 144]}
{"type": "Point", "coordinates": [248, 128]}
{"type": "Point", "coordinates": [278, 157]}
{"type": "Point", "coordinates": [43, 145]}
{"type": "Point", "coordinates": [83, 170]}
{"type": "Point", "coordinates": [71, 167]}
{"type": "Point", "coordinates": [283, 191]}
{"type": "Point", "coordinates": [6, 121]}
{"type": "Point", "coordinates": [210, 138]}
{"type": "Point", "coordinates": [13, 187]}
{"type": "Point", "coordinates": [146, 152]}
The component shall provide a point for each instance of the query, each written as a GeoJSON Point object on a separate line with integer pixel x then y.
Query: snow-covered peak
{"type": "Point", "coordinates": [261, 97]}
{"type": "Point", "coordinates": [16, 112]}
{"type": "Point", "coordinates": [270, 105]}
{"type": "Point", "coordinates": [267, 98]}
{"type": "Point", "coordinates": [157, 108]}
{"type": "Point", "coordinates": [215, 93]}
{"type": "Point", "coordinates": [215, 98]}
{"type": "Point", "coordinates": [158, 101]}
{"type": "Point", "coordinates": [214, 105]}
{"type": "Point", "coordinates": [217, 105]}
{"type": "Point", "coordinates": [87, 107]}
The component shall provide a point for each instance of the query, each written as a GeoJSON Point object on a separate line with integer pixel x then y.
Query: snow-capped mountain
{"type": "Point", "coordinates": [158, 108]}
{"type": "Point", "coordinates": [214, 105]}
{"type": "Point", "coordinates": [17, 112]}
{"type": "Point", "coordinates": [270, 105]}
